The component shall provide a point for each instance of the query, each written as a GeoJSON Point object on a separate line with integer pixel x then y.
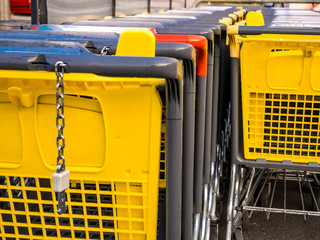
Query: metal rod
{"type": "Point", "coordinates": [43, 11]}
{"type": "Point", "coordinates": [211, 188]}
{"type": "Point", "coordinates": [215, 188]}
{"type": "Point", "coordinates": [207, 237]}
{"type": "Point", "coordinates": [301, 194]}
{"type": "Point", "coordinates": [272, 195]}
{"type": "Point", "coordinates": [219, 170]}
{"type": "Point", "coordinates": [246, 180]}
{"type": "Point", "coordinates": [196, 228]}
{"type": "Point", "coordinates": [312, 193]}
{"type": "Point", "coordinates": [34, 12]}
{"type": "Point", "coordinates": [260, 192]}
{"type": "Point", "coordinates": [204, 212]}
{"type": "Point", "coordinates": [279, 210]}
{"type": "Point", "coordinates": [113, 8]}
{"type": "Point", "coordinates": [149, 6]}
{"type": "Point", "coordinates": [242, 179]}
{"type": "Point", "coordinates": [230, 201]}
{"type": "Point", "coordinates": [285, 193]}
{"type": "Point", "coordinates": [236, 190]}
{"type": "Point", "coordinates": [254, 187]}
{"type": "Point", "coordinates": [316, 178]}
{"type": "Point", "coordinates": [251, 180]}
{"type": "Point", "coordinates": [246, 190]}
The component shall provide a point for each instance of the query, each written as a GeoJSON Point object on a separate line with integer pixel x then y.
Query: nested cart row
{"type": "Point", "coordinates": [275, 116]}
{"type": "Point", "coordinates": [139, 110]}
{"type": "Point", "coordinates": [138, 113]}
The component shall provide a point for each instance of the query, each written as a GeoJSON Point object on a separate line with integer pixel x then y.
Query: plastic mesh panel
{"type": "Point", "coordinates": [282, 127]}
{"type": "Point", "coordinates": [96, 210]}
{"type": "Point", "coordinates": [162, 173]}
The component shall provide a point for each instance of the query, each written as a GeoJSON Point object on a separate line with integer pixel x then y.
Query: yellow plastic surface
{"type": "Point", "coordinates": [281, 97]}
{"type": "Point", "coordinates": [136, 42]}
{"type": "Point", "coordinates": [240, 14]}
{"type": "Point", "coordinates": [255, 19]}
{"type": "Point", "coordinates": [112, 134]}
{"type": "Point", "coordinates": [141, 42]}
{"type": "Point", "coordinates": [233, 16]}
{"type": "Point", "coordinates": [226, 21]}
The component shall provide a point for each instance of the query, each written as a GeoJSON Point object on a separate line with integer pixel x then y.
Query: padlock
{"type": "Point", "coordinates": [60, 181]}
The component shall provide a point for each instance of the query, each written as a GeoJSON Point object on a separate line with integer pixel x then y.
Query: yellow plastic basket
{"type": "Point", "coordinates": [112, 133]}
{"type": "Point", "coordinates": [281, 97]}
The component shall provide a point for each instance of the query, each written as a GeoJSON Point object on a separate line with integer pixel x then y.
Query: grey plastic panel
{"type": "Point", "coordinates": [199, 140]}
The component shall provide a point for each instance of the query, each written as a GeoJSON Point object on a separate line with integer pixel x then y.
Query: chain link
{"type": "Point", "coordinates": [104, 51]}
{"type": "Point", "coordinates": [60, 120]}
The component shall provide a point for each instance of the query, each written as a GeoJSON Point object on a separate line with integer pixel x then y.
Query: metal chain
{"type": "Point", "coordinates": [104, 51]}
{"type": "Point", "coordinates": [60, 120]}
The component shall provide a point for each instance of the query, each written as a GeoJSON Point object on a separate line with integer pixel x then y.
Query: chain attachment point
{"type": "Point", "coordinates": [61, 177]}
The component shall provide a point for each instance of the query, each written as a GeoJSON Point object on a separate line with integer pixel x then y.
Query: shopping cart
{"type": "Point", "coordinates": [211, 22]}
{"type": "Point", "coordinates": [199, 160]}
{"type": "Point", "coordinates": [112, 195]}
{"type": "Point", "coordinates": [200, 45]}
{"type": "Point", "coordinates": [274, 120]}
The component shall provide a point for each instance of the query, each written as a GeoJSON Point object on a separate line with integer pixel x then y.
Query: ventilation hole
{"type": "Point", "coordinates": [75, 197]}
{"type": "Point", "coordinates": [8, 218]}
{"type": "Point", "coordinates": [107, 212]}
{"type": "Point", "coordinates": [92, 211]}
{"type": "Point", "coordinates": [78, 222]}
{"type": "Point", "coordinates": [80, 234]}
{"type": "Point", "coordinates": [105, 187]}
{"type": "Point", "coordinates": [51, 232]}
{"type": "Point", "coordinates": [64, 221]}
{"type": "Point", "coordinates": [89, 186]}
{"type": "Point", "coordinates": [106, 199]}
{"type": "Point", "coordinates": [47, 208]}
{"type": "Point", "coordinates": [77, 210]}
{"type": "Point", "coordinates": [49, 221]}
{"type": "Point", "coordinates": [94, 223]}
{"type": "Point", "coordinates": [162, 175]}
{"type": "Point", "coordinates": [35, 220]}
{"type": "Point", "coordinates": [91, 198]}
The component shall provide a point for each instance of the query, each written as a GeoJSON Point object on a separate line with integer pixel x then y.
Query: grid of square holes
{"type": "Point", "coordinates": [283, 127]}
{"type": "Point", "coordinates": [96, 210]}
{"type": "Point", "coordinates": [162, 173]}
